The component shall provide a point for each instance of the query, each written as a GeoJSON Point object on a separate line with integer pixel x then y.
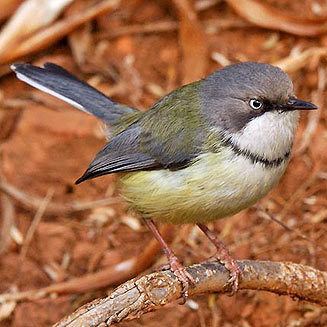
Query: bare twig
{"type": "Point", "coordinates": [33, 202]}
{"type": "Point", "coordinates": [312, 318]}
{"type": "Point", "coordinates": [297, 232]}
{"type": "Point", "coordinates": [314, 116]}
{"type": "Point", "coordinates": [153, 27]}
{"type": "Point", "coordinates": [109, 276]}
{"type": "Point", "coordinates": [15, 103]}
{"type": "Point", "coordinates": [210, 26]}
{"type": "Point", "coordinates": [298, 194]}
{"type": "Point", "coordinates": [150, 292]}
{"type": "Point", "coordinates": [37, 218]}
{"type": "Point", "coordinates": [8, 213]}
{"type": "Point", "coordinates": [201, 5]}
{"type": "Point", "coordinates": [295, 62]}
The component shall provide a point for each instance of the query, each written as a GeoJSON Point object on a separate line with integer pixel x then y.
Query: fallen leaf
{"type": "Point", "coordinates": [193, 42]}
{"type": "Point", "coordinates": [80, 40]}
{"type": "Point", "coordinates": [55, 32]}
{"type": "Point", "coordinates": [220, 59]}
{"type": "Point", "coordinates": [6, 309]}
{"type": "Point", "coordinates": [264, 15]}
{"type": "Point", "coordinates": [8, 7]}
{"type": "Point", "coordinates": [29, 17]}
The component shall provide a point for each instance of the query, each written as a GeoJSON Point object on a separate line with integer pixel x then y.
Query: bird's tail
{"type": "Point", "coordinates": [58, 82]}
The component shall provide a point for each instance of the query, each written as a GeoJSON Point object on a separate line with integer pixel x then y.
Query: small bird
{"type": "Point", "coordinates": [204, 151]}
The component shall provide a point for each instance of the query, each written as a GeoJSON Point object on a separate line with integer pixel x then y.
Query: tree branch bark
{"type": "Point", "coordinates": [150, 292]}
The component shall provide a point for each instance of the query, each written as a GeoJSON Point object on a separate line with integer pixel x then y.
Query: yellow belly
{"type": "Point", "coordinates": [214, 186]}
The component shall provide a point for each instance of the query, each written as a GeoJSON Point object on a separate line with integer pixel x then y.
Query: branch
{"type": "Point", "coordinates": [148, 293]}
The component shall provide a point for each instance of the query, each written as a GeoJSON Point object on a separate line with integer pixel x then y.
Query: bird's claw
{"type": "Point", "coordinates": [235, 274]}
{"type": "Point", "coordinates": [182, 275]}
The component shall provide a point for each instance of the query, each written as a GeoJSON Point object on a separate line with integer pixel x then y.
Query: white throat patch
{"type": "Point", "coordinates": [270, 135]}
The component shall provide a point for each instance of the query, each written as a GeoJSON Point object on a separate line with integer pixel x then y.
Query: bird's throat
{"type": "Point", "coordinates": [267, 139]}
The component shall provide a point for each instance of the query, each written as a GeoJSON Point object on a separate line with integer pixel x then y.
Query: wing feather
{"type": "Point", "coordinates": [168, 136]}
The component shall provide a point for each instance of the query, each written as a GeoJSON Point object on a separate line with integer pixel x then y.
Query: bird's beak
{"type": "Point", "coordinates": [297, 104]}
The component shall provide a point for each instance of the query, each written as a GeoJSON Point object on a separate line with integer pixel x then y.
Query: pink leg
{"type": "Point", "coordinates": [175, 265]}
{"type": "Point", "coordinates": [224, 257]}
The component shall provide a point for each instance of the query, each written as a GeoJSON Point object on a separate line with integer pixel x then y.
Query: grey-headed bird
{"type": "Point", "coordinates": [205, 151]}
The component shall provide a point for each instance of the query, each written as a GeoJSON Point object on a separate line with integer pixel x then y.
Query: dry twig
{"type": "Point", "coordinates": [210, 26]}
{"type": "Point", "coordinates": [150, 292]}
{"type": "Point", "coordinates": [295, 62]}
{"type": "Point", "coordinates": [299, 193]}
{"type": "Point", "coordinates": [35, 222]}
{"type": "Point", "coordinates": [112, 275]}
{"type": "Point", "coordinates": [313, 117]}
{"type": "Point", "coordinates": [262, 213]}
{"type": "Point", "coordinates": [33, 202]}
{"type": "Point", "coordinates": [8, 214]}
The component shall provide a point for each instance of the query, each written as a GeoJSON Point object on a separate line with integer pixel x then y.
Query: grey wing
{"type": "Point", "coordinates": [121, 154]}
{"type": "Point", "coordinates": [168, 136]}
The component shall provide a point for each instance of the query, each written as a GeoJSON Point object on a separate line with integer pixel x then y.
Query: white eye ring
{"type": "Point", "coordinates": [256, 104]}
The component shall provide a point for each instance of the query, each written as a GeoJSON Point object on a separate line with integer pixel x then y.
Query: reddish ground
{"type": "Point", "coordinates": [46, 146]}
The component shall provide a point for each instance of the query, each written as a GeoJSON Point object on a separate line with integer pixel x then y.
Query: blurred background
{"type": "Point", "coordinates": [68, 240]}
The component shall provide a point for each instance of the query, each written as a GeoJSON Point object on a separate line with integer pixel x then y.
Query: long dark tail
{"type": "Point", "coordinates": [58, 82]}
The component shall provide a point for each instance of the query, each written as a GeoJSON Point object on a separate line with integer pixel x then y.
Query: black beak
{"type": "Point", "coordinates": [297, 104]}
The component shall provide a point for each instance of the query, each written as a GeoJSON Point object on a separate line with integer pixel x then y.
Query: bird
{"type": "Point", "coordinates": [205, 151]}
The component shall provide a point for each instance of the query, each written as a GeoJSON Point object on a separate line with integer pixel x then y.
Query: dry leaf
{"type": "Point", "coordinates": [16, 235]}
{"type": "Point", "coordinates": [8, 7]}
{"type": "Point", "coordinates": [132, 222]}
{"type": "Point", "coordinates": [6, 309]}
{"type": "Point", "coordinates": [81, 43]}
{"type": "Point", "coordinates": [30, 16]}
{"type": "Point", "coordinates": [220, 59]}
{"type": "Point", "coordinates": [53, 33]}
{"type": "Point", "coordinates": [80, 40]}
{"type": "Point", "coordinates": [266, 16]}
{"type": "Point", "coordinates": [193, 42]}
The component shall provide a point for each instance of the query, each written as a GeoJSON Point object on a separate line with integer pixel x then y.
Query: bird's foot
{"type": "Point", "coordinates": [234, 271]}
{"type": "Point", "coordinates": [223, 256]}
{"type": "Point", "coordinates": [174, 264]}
{"type": "Point", "coordinates": [182, 275]}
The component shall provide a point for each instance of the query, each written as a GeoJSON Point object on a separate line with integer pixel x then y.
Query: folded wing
{"type": "Point", "coordinates": [168, 136]}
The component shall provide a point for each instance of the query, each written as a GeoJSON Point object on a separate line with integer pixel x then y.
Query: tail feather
{"type": "Point", "coordinates": [58, 82]}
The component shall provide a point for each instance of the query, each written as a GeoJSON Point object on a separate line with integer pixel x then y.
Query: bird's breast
{"type": "Point", "coordinates": [213, 186]}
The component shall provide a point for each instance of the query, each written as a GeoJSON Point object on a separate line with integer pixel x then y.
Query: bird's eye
{"type": "Point", "coordinates": [256, 104]}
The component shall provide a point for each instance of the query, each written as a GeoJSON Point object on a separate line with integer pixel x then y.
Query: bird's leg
{"type": "Point", "coordinates": [175, 265]}
{"type": "Point", "coordinates": [224, 257]}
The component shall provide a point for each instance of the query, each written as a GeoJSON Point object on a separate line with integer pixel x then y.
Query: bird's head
{"type": "Point", "coordinates": [254, 104]}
